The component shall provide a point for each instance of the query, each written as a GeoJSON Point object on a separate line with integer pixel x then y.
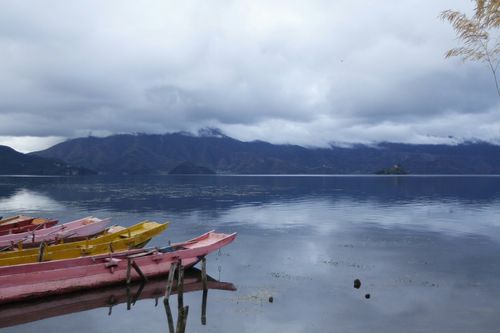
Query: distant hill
{"type": "Point", "coordinates": [157, 154]}
{"type": "Point", "coordinates": [15, 163]}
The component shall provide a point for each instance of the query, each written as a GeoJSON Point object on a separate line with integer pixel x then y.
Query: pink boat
{"type": "Point", "coordinates": [20, 282]}
{"type": "Point", "coordinates": [74, 230]}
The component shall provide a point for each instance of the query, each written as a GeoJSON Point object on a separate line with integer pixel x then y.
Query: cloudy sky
{"type": "Point", "coordinates": [305, 72]}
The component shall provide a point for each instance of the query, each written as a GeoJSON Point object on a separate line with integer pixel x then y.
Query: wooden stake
{"type": "Point", "coordinates": [185, 312]}
{"type": "Point", "coordinates": [180, 287]}
{"type": "Point", "coordinates": [204, 307]}
{"type": "Point", "coordinates": [180, 314]}
{"type": "Point", "coordinates": [170, 319]}
{"type": "Point", "coordinates": [129, 266]}
{"type": "Point", "coordinates": [205, 291]}
{"type": "Point", "coordinates": [138, 293]}
{"type": "Point", "coordinates": [204, 272]}
{"type": "Point", "coordinates": [129, 303]}
{"type": "Point", "coordinates": [170, 279]}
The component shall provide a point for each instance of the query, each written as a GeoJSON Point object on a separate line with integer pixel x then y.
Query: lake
{"type": "Point", "coordinates": [426, 250]}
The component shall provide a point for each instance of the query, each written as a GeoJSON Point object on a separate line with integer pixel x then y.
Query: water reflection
{"type": "Point", "coordinates": [181, 193]}
{"type": "Point", "coordinates": [425, 248]}
{"type": "Point", "coordinates": [106, 298]}
{"type": "Point", "coordinates": [28, 201]}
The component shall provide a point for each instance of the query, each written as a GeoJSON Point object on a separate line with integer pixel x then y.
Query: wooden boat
{"type": "Point", "coordinates": [16, 219]}
{"type": "Point", "coordinates": [116, 240]}
{"type": "Point", "coordinates": [84, 227]}
{"type": "Point", "coordinates": [22, 223]}
{"type": "Point", "coordinates": [20, 282]}
{"type": "Point", "coordinates": [25, 312]}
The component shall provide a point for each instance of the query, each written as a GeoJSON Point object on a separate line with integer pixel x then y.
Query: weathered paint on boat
{"type": "Point", "coordinates": [25, 312]}
{"type": "Point", "coordinates": [22, 223]}
{"type": "Point", "coordinates": [21, 282]}
{"type": "Point", "coordinates": [84, 227]}
{"type": "Point", "coordinates": [16, 219]}
{"type": "Point", "coordinates": [135, 236]}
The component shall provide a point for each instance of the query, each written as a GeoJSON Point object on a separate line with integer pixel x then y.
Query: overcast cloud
{"type": "Point", "coordinates": [305, 72]}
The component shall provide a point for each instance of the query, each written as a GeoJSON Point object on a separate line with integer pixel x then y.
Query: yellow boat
{"type": "Point", "coordinates": [123, 239]}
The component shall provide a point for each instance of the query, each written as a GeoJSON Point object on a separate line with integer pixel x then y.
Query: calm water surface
{"type": "Point", "coordinates": [426, 249]}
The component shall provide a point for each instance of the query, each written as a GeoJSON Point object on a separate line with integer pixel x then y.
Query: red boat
{"type": "Point", "coordinates": [20, 282]}
{"type": "Point", "coordinates": [22, 223]}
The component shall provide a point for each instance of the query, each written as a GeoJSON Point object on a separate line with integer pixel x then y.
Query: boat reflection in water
{"type": "Point", "coordinates": [25, 312]}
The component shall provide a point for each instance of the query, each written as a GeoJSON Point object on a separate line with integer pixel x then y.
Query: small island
{"type": "Point", "coordinates": [396, 169]}
{"type": "Point", "coordinates": [189, 168]}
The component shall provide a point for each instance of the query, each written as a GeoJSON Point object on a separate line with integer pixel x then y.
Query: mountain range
{"type": "Point", "coordinates": [212, 150]}
{"type": "Point", "coordinates": [15, 163]}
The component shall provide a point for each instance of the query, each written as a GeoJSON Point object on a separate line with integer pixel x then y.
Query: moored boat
{"type": "Point", "coordinates": [16, 219]}
{"type": "Point", "coordinates": [22, 223]}
{"type": "Point", "coordinates": [84, 227]}
{"type": "Point", "coordinates": [122, 239]}
{"type": "Point", "coordinates": [21, 282]}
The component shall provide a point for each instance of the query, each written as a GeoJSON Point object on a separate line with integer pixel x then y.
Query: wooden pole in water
{"type": "Point", "coordinates": [170, 279]}
{"type": "Point", "coordinates": [204, 272]}
{"type": "Point", "coordinates": [170, 319]}
{"type": "Point", "coordinates": [185, 312]}
{"type": "Point", "coordinates": [180, 314]}
{"type": "Point", "coordinates": [129, 267]}
{"type": "Point", "coordinates": [129, 302]}
{"type": "Point", "coordinates": [205, 291]}
{"type": "Point", "coordinates": [138, 293]}
{"type": "Point", "coordinates": [180, 286]}
{"type": "Point", "coordinates": [168, 290]}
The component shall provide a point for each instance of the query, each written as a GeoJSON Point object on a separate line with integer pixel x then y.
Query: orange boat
{"type": "Point", "coordinates": [23, 223]}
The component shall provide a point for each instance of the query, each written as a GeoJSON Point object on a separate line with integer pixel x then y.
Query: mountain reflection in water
{"type": "Point", "coordinates": [424, 247]}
